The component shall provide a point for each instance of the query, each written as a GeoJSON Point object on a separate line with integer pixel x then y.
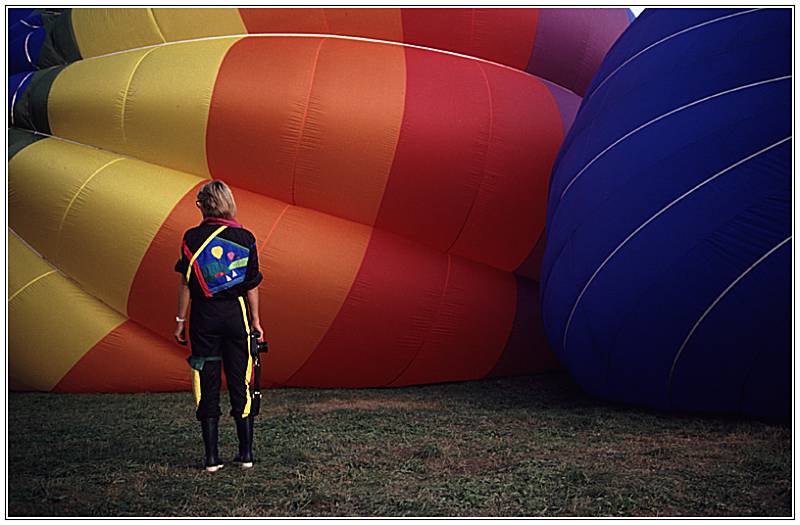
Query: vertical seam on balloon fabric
{"type": "Point", "coordinates": [400, 11]}
{"type": "Point", "coordinates": [27, 52]}
{"type": "Point", "coordinates": [663, 116]}
{"type": "Point", "coordinates": [305, 116]}
{"type": "Point", "coordinates": [299, 368]}
{"type": "Point", "coordinates": [548, 87]}
{"type": "Point", "coordinates": [125, 95]}
{"type": "Point", "coordinates": [712, 306]}
{"type": "Point", "coordinates": [390, 166]}
{"type": "Point", "coordinates": [14, 97]}
{"type": "Point", "coordinates": [648, 221]}
{"type": "Point", "coordinates": [485, 159]}
{"type": "Point", "coordinates": [433, 322]}
{"type": "Point", "coordinates": [208, 101]}
{"type": "Point", "coordinates": [471, 31]}
{"type": "Point", "coordinates": [241, 19]}
{"type": "Point", "coordinates": [670, 37]}
{"type": "Point", "coordinates": [29, 284]}
{"type": "Point", "coordinates": [72, 201]}
{"type": "Point", "coordinates": [272, 229]}
{"type": "Point", "coordinates": [325, 20]}
{"type": "Point", "coordinates": [527, 67]}
{"type": "Point", "coordinates": [152, 17]}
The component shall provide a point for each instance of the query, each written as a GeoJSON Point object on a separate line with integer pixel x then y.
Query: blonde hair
{"type": "Point", "coordinates": [216, 200]}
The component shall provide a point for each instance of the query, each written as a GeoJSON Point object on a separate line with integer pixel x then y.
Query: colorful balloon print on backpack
{"type": "Point", "coordinates": [222, 264]}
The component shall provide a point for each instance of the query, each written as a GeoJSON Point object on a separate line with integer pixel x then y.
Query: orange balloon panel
{"type": "Point", "coordinates": [320, 139]}
{"type": "Point", "coordinates": [129, 359]}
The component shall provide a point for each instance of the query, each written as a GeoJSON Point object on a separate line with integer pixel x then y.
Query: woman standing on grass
{"type": "Point", "coordinates": [220, 276]}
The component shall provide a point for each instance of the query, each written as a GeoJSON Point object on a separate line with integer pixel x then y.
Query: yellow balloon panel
{"type": "Point", "coordinates": [28, 266]}
{"type": "Point", "coordinates": [87, 100]}
{"type": "Point", "coordinates": [97, 31]}
{"type": "Point", "coordinates": [171, 85]}
{"type": "Point", "coordinates": [50, 310]}
{"type": "Point", "coordinates": [43, 180]}
{"type": "Point", "coordinates": [185, 23]}
{"type": "Point", "coordinates": [97, 195]}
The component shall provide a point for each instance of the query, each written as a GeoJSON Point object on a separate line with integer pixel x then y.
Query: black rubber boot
{"type": "Point", "coordinates": [210, 438]}
{"type": "Point", "coordinates": [244, 430]}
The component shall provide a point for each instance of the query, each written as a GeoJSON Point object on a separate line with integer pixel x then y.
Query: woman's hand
{"type": "Point", "coordinates": [183, 307]}
{"type": "Point", "coordinates": [257, 328]}
{"type": "Point", "coordinates": [180, 333]}
{"type": "Point", "coordinates": [255, 322]}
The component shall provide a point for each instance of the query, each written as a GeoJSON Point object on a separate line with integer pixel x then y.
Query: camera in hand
{"type": "Point", "coordinates": [256, 348]}
{"type": "Point", "coordinates": [260, 347]}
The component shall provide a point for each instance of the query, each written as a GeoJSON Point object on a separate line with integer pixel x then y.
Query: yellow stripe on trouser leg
{"type": "Point", "coordinates": [246, 411]}
{"type": "Point", "coordinates": [196, 387]}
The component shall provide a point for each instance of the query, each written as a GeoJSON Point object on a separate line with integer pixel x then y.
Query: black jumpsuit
{"type": "Point", "coordinates": [219, 323]}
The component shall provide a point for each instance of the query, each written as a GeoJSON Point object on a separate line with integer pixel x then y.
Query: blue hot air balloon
{"type": "Point", "coordinates": [666, 280]}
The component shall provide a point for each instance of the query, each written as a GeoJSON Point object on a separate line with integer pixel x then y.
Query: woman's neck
{"type": "Point", "coordinates": [220, 220]}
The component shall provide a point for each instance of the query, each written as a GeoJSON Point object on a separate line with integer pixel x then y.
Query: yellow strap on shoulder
{"type": "Point", "coordinates": [200, 249]}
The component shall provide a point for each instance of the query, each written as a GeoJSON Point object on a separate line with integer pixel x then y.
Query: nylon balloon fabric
{"type": "Point", "coordinates": [666, 280]}
{"type": "Point", "coordinates": [397, 193]}
{"type": "Point", "coordinates": [565, 46]}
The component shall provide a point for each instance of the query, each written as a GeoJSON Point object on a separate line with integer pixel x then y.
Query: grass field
{"type": "Point", "coordinates": [531, 446]}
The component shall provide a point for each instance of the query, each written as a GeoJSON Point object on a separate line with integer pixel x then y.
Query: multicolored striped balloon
{"type": "Point", "coordinates": [393, 190]}
{"type": "Point", "coordinates": [564, 45]}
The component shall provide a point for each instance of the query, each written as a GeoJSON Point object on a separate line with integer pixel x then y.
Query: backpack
{"type": "Point", "coordinates": [218, 264]}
